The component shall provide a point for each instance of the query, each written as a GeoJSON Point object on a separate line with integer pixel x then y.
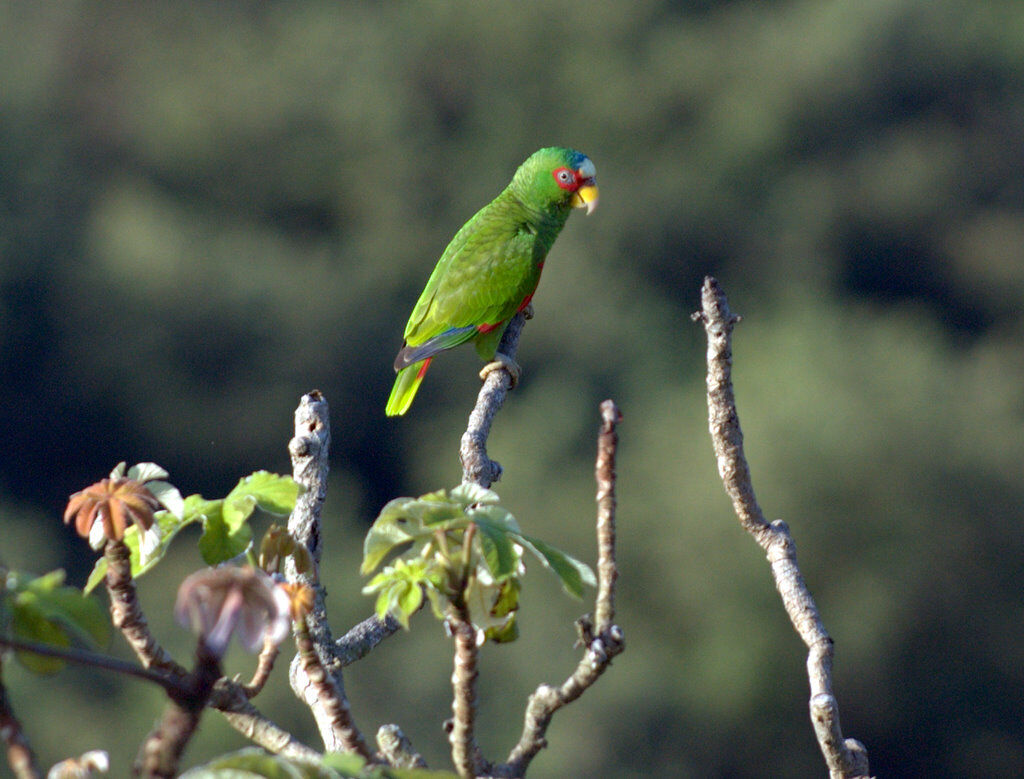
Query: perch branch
{"type": "Point", "coordinates": [845, 759]}
{"type": "Point", "coordinates": [477, 467]}
{"type": "Point", "coordinates": [604, 640]}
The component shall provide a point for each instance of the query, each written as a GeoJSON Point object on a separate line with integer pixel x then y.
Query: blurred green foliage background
{"type": "Point", "coordinates": [207, 210]}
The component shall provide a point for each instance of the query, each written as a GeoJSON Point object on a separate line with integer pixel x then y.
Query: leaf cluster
{"type": "Point", "coordinates": [225, 530]}
{"type": "Point", "coordinates": [461, 548]}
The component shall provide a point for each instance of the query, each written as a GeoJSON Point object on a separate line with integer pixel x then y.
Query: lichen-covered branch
{"type": "Point", "coordinates": [309, 449]}
{"type": "Point", "coordinates": [361, 639]}
{"type": "Point", "coordinates": [477, 467]}
{"type": "Point", "coordinates": [846, 759]}
{"type": "Point", "coordinates": [603, 639]}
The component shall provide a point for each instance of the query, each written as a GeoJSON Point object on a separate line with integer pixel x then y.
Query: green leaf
{"type": "Point", "coordinates": [572, 572]}
{"type": "Point", "coordinates": [169, 526]}
{"type": "Point", "coordinates": [391, 529]}
{"type": "Point", "coordinates": [219, 541]}
{"type": "Point", "coordinates": [99, 573]}
{"type": "Point", "coordinates": [468, 493]}
{"type": "Point", "coordinates": [498, 548]}
{"type": "Point", "coordinates": [410, 599]}
{"type": "Point", "coordinates": [44, 610]}
{"type": "Point", "coordinates": [69, 607]}
{"type": "Point", "coordinates": [271, 492]}
{"type": "Point", "coordinates": [28, 625]}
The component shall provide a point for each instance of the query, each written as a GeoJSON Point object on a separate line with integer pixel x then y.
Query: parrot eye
{"type": "Point", "coordinates": [565, 178]}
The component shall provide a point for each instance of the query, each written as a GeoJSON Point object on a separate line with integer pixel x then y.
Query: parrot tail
{"type": "Point", "coordinates": [406, 384]}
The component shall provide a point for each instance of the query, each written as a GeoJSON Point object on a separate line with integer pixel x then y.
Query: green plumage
{"type": "Point", "coordinates": [492, 266]}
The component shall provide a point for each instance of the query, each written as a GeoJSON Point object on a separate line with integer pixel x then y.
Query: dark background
{"type": "Point", "coordinates": [207, 210]}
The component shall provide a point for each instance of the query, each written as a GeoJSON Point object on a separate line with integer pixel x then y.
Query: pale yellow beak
{"type": "Point", "coordinates": [585, 197]}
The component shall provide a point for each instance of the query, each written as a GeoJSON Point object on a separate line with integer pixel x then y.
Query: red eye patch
{"type": "Point", "coordinates": [566, 178]}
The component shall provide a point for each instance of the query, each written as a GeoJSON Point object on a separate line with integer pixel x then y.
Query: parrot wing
{"type": "Point", "coordinates": [481, 279]}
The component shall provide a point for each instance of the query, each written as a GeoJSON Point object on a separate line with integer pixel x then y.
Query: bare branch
{"type": "Point", "coordinates": [325, 696]}
{"type": "Point", "coordinates": [477, 467]}
{"type": "Point", "coordinates": [126, 613]}
{"type": "Point", "coordinates": [264, 666]}
{"type": "Point", "coordinates": [163, 747]}
{"type": "Point", "coordinates": [229, 699]}
{"type": "Point", "coordinates": [465, 752]}
{"type": "Point", "coordinates": [330, 700]}
{"type": "Point", "coordinates": [608, 640]}
{"type": "Point", "coordinates": [309, 450]}
{"type": "Point", "coordinates": [396, 749]}
{"type": "Point", "coordinates": [362, 638]}
{"type": "Point", "coordinates": [604, 472]}
{"type": "Point", "coordinates": [846, 759]}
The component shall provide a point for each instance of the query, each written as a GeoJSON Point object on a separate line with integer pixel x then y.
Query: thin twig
{"type": "Point", "coordinates": [477, 467]}
{"type": "Point", "coordinates": [845, 759]}
{"type": "Point", "coordinates": [601, 646]}
{"type": "Point", "coordinates": [94, 660]}
{"type": "Point", "coordinates": [229, 697]}
{"type": "Point", "coordinates": [264, 666]}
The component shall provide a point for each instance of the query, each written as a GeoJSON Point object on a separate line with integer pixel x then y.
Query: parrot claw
{"type": "Point", "coordinates": [528, 311]}
{"type": "Point", "coordinates": [503, 362]}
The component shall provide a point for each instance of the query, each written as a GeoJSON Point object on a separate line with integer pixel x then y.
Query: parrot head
{"type": "Point", "coordinates": [557, 177]}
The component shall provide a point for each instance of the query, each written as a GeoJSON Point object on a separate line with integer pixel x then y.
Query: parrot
{"type": "Point", "coordinates": [490, 270]}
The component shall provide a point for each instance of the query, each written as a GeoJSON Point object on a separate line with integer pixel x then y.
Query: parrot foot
{"type": "Point", "coordinates": [528, 311]}
{"type": "Point", "coordinates": [503, 362]}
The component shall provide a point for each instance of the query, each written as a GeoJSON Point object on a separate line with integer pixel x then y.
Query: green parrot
{"type": "Point", "coordinates": [492, 266]}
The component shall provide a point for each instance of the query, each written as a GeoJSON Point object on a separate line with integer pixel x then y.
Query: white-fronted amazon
{"type": "Point", "coordinates": [492, 266]}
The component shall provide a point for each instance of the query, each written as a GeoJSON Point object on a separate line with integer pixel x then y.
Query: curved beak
{"type": "Point", "coordinates": [586, 196]}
